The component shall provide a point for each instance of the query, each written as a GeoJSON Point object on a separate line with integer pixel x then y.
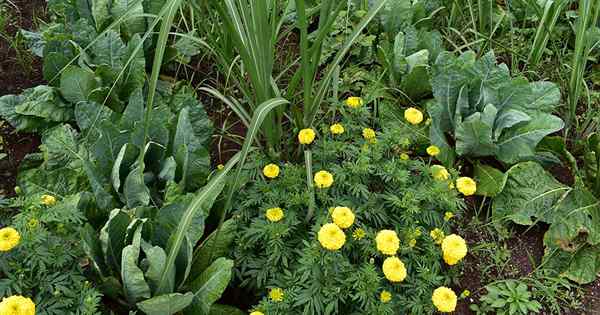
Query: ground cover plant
{"type": "Point", "coordinates": [299, 157]}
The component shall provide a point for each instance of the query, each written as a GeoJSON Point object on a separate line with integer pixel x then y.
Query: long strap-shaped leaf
{"type": "Point", "coordinates": [313, 107]}
{"type": "Point", "coordinates": [259, 116]}
{"type": "Point", "coordinates": [213, 187]}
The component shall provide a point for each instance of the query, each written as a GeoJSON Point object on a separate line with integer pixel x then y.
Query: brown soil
{"type": "Point", "coordinates": [18, 71]}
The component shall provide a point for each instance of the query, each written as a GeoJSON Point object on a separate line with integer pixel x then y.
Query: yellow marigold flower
{"type": "Point", "coordinates": [404, 157]}
{"type": "Point", "coordinates": [354, 101]}
{"type": "Point", "coordinates": [220, 167]}
{"type": "Point", "coordinates": [387, 242]}
{"type": "Point", "coordinates": [385, 296]}
{"type": "Point", "coordinates": [413, 115]}
{"type": "Point", "coordinates": [418, 232]}
{"type": "Point", "coordinates": [448, 216]}
{"type": "Point", "coordinates": [323, 179]}
{"type": "Point", "coordinates": [368, 134]}
{"type": "Point", "coordinates": [437, 235]}
{"type": "Point", "coordinates": [306, 136]}
{"type": "Point", "coordinates": [274, 214]}
{"type": "Point", "coordinates": [271, 170]}
{"type": "Point", "coordinates": [466, 186]}
{"type": "Point", "coordinates": [412, 243]}
{"type": "Point", "coordinates": [33, 223]}
{"type": "Point", "coordinates": [393, 269]}
{"type": "Point", "coordinates": [337, 129]}
{"type": "Point", "coordinates": [257, 313]}
{"type": "Point", "coordinates": [331, 237]}
{"type": "Point", "coordinates": [276, 294]}
{"type": "Point", "coordinates": [450, 185]}
{"type": "Point", "coordinates": [48, 200]}
{"type": "Point", "coordinates": [342, 217]}
{"type": "Point", "coordinates": [465, 293]}
{"type": "Point", "coordinates": [444, 299]}
{"type": "Point", "coordinates": [18, 190]}
{"type": "Point", "coordinates": [9, 238]}
{"type": "Point", "coordinates": [17, 305]}
{"type": "Point", "coordinates": [454, 249]}
{"type": "Point", "coordinates": [439, 172]}
{"type": "Point", "coordinates": [358, 234]}
{"type": "Point", "coordinates": [433, 150]}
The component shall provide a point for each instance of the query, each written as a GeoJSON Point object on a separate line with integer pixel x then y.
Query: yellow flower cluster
{"type": "Point", "coordinates": [369, 134]}
{"type": "Point", "coordinates": [306, 136]}
{"type": "Point", "coordinates": [342, 217]}
{"type": "Point", "coordinates": [448, 216]}
{"type": "Point", "coordinates": [387, 242]}
{"type": "Point", "coordinates": [271, 170]}
{"type": "Point", "coordinates": [276, 294]}
{"type": "Point", "coordinates": [336, 129]}
{"type": "Point", "coordinates": [17, 305]}
{"type": "Point", "coordinates": [454, 249]}
{"type": "Point", "coordinates": [413, 115]}
{"type": "Point", "coordinates": [323, 179]}
{"type": "Point", "coordinates": [404, 157]}
{"type": "Point", "coordinates": [220, 167]}
{"type": "Point", "coordinates": [444, 299]}
{"type": "Point", "coordinates": [9, 239]}
{"type": "Point", "coordinates": [48, 200]}
{"type": "Point", "coordinates": [439, 172]}
{"type": "Point", "coordinates": [385, 296]}
{"type": "Point", "coordinates": [466, 185]}
{"type": "Point", "coordinates": [274, 214]}
{"type": "Point", "coordinates": [433, 150]}
{"type": "Point", "coordinates": [394, 269]}
{"type": "Point", "coordinates": [354, 101]}
{"type": "Point", "coordinates": [437, 235]}
{"type": "Point", "coordinates": [257, 313]}
{"type": "Point", "coordinates": [331, 236]}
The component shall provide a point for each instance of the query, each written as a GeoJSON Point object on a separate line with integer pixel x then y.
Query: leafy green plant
{"type": "Point", "coordinates": [46, 265]}
{"type": "Point", "coordinates": [507, 297]}
{"type": "Point", "coordinates": [527, 194]}
{"type": "Point", "coordinates": [486, 112]}
{"type": "Point", "coordinates": [383, 191]}
{"type": "Point", "coordinates": [592, 161]}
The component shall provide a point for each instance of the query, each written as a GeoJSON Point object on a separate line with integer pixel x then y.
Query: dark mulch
{"type": "Point", "coordinates": [18, 70]}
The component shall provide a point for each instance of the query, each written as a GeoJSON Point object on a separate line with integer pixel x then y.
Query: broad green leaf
{"type": "Point", "coordinates": [112, 237]}
{"type": "Point", "coordinates": [490, 181]}
{"type": "Point", "coordinates": [213, 247]}
{"type": "Point", "coordinates": [210, 285]}
{"type": "Point", "coordinates": [60, 146]}
{"type": "Point", "coordinates": [166, 304]}
{"type": "Point", "coordinates": [437, 134]}
{"type": "Point", "coordinates": [134, 284]}
{"type": "Point", "coordinates": [124, 160]}
{"type": "Point", "coordinates": [44, 102]}
{"type": "Point", "coordinates": [88, 116]}
{"type": "Point", "coordinates": [110, 50]}
{"type": "Point", "coordinates": [474, 136]}
{"type": "Point", "coordinates": [520, 142]}
{"type": "Point", "coordinates": [135, 190]}
{"type": "Point", "coordinates": [134, 8]}
{"type": "Point", "coordinates": [584, 265]}
{"type": "Point", "coordinates": [19, 122]}
{"type": "Point", "coordinates": [156, 258]}
{"type": "Point", "coordinates": [76, 84]}
{"type": "Point", "coordinates": [100, 12]}
{"type": "Point", "coordinates": [508, 119]}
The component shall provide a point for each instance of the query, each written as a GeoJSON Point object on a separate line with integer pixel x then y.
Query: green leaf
{"type": "Point", "coordinates": [213, 247]}
{"type": "Point", "coordinates": [134, 8]}
{"type": "Point", "coordinates": [76, 84]}
{"type": "Point", "coordinates": [474, 136]}
{"type": "Point", "coordinates": [88, 116]}
{"type": "Point", "coordinates": [93, 249]}
{"type": "Point", "coordinates": [166, 304]}
{"type": "Point", "coordinates": [134, 284]}
{"type": "Point", "coordinates": [584, 265]}
{"type": "Point", "coordinates": [135, 190]}
{"type": "Point", "coordinates": [156, 258]}
{"type": "Point", "coordinates": [44, 102]}
{"type": "Point", "coordinates": [100, 12]}
{"type": "Point", "coordinates": [112, 237]}
{"type": "Point", "coordinates": [520, 142]}
{"type": "Point", "coordinates": [490, 181]}
{"type": "Point", "coordinates": [60, 146]}
{"type": "Point", "coordinates": [125, 158]}
{"type": "Point", "coordinates": [110, 50]}
{"type": "Point", "coordinates": [210, 285]}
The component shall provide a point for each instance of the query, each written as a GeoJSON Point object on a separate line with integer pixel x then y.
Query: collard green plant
{"type": "Point", "coordinates": [528, 195]}
{"type": "Point", "coordinates": [592, 161]}
{"type": "Point", "coordinates": [486, 112]}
